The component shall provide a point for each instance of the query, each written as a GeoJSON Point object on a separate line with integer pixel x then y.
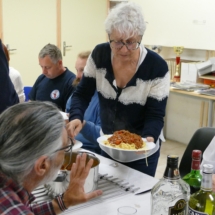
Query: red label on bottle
{"type": "Point", "coordinates": [195, 164]}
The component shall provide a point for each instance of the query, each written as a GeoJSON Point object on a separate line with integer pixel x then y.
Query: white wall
{"type": "Point", "coordinates": [188, 23]}
{"type": "Point", "coordinates": [181, 23]}
{"type": "Point", "coordinates": [30, 25]}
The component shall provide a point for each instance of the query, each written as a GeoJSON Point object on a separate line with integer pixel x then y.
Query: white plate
{"type": "Point", "coordinates": [64, 115]}
{"type": "Point", "coordinates": [77, 145]}
{"type": "Point", "coordinates": [149, 145]}
{"type": "Point", "coordinates": [126, 155]}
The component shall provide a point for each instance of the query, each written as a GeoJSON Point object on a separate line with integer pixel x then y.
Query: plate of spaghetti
{"type": "Point", "coordinates": [123, 146]}
{"type": "Point", "coordinates": [124, 140]}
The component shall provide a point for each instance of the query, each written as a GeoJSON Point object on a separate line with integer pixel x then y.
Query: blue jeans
{"type": "Point", "coordinates": [140, 165]}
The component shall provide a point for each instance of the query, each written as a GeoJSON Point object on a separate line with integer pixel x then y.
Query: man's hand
{"type": "Point", "coordinates": [74, 127]}
{"type": "Point", "coordinates": [75, 193]}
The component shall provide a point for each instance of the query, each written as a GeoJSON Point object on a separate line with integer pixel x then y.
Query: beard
{"type": "Point", "coordinates": [76, 82]}
{"type": "Point", "coordinates": [51, 175]}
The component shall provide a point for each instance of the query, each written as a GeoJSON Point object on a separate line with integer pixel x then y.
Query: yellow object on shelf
{"type": "Point", "coordinates": [209, 82]}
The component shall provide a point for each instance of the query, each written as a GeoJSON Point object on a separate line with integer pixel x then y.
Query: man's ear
{"type": "Point", "coordinates": [60, 62]}
{"type": "Point", "coordinates": [42, 165]}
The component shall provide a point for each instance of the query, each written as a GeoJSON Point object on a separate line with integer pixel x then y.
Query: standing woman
{"type": "Point", "coordinates": [132, 84]}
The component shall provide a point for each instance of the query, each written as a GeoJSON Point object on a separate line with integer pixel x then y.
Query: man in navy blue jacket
{"type": "Point", "coordinates": [55, 82]}
{"type": "Point", "coordinates": [8, 96]}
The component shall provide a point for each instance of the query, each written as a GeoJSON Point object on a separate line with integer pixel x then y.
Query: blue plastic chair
{"type": "Point", "coordinates": [27, 90]}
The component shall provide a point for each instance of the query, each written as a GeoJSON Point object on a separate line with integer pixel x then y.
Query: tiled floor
{"type": "Point", "coordinates": [168, 147]}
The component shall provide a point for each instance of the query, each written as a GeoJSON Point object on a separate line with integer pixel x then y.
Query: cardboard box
{"type": "Point", "coordinates": [189, 73]}
{"type": "Point", "coordinates": [206, 67]}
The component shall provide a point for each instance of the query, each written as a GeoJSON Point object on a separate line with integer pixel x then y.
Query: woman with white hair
{"type": "Point", "coordinates": [132, 83]}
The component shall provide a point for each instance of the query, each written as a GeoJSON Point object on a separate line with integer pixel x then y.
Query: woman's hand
{"type": "Point", "coordinates": [150, 139]}
{"type": "Point", "coordinates": [75, 193]}
{"type": "Point", "coordinates": [74, 127]}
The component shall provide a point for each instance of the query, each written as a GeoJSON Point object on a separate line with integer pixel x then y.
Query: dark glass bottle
{"type": "Point", "coordinates": [194, 177]}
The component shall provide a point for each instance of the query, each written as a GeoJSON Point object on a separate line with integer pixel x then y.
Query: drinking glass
{"type": "Point", "coordinates": [126, 210]}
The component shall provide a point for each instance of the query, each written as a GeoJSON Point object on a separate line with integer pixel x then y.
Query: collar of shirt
{"type": "Point", "coordinates": [23, 195]}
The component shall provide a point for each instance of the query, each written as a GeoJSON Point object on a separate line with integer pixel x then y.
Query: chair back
{"type": "Point", "coordinates": [200, 140]}
{"type": "Point", "coordinates": [27, 90]}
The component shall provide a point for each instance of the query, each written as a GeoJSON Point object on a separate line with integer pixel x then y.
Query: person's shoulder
{"type": "Point", "coordinates": [101, 54]}
{"type": "Point", "coordinates": [69, 73]}
{"type": "Point", "coordinates": [154, 64]}
{"type": "Point", "coordinates": [154, 56]}
{"type": "Point", "coordinates": [14, 71]}
{"type": "Point", "coordinates": [67, 78]}
{"type": "Point", "coordinates": [40, 79]}
{"type": "Point", "coordinates": [103, 48]}
{"type": "Point", "coordinates": [155, 61]}
{"type": "Point", "coordinates": [14, 75]}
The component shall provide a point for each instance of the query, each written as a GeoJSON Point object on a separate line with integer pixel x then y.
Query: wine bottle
{"type": "Point", "coordinates": [171, 194]}
{"type": "Point", "coordinates": [194, 177]}
{"type": "Point", "coordinates": [203, 201]}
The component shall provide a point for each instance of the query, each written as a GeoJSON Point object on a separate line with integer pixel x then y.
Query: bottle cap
{"type": "Point", "coordinates": [208, 168]}
{"type": "Point", "coordinates": [172, 160]}
{"type": "Point", "coordinates": [196, 154]}
{"type": "Point", "coordinates": [172, 171]}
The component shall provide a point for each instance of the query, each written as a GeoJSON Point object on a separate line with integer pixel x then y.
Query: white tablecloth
{"type": "Point", "coordinates": [109, 207]}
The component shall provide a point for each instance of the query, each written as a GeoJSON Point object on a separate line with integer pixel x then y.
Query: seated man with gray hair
{"type": "Point", "coordinates": [33, 142]}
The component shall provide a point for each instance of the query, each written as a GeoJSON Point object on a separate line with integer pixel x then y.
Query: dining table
{"type": "Point", "coordinates": [122, 186]}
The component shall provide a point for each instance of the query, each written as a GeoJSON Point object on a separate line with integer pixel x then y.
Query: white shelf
{"type": "Point", "coordinates": [209, 77]}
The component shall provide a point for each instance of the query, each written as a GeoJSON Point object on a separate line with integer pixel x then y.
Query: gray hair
{"type": "Point", "coordinates": [52, 51]}
{"type": "Point", "coordinates": [127, 19]}
{"type": "Point", "coordinates": [28, 131]}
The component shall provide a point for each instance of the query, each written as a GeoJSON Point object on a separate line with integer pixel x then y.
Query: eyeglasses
{"type": "Point", "coordinates": [119, 44]}
{"type": "Point", "coordinates": [67, 148]}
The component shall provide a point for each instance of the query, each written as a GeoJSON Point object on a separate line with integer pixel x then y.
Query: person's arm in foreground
{"type": "Point", "coordinates": [8, 96]}
{"type": "Point", "coordinates": [18, 85]}
{"type": "Point", "coordinates": [91, 131]}
{"type": "Point", "coordinates": [156, 104]}
{"type": "Point", "coordinates": [75, 193]}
